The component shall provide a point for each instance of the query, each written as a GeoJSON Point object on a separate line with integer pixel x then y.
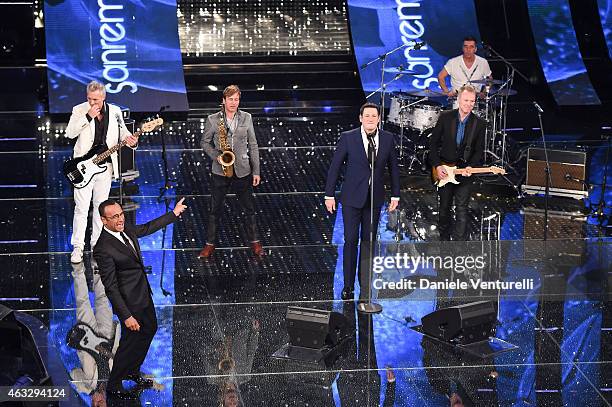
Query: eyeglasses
{"type": "Point", "coordinates": [116, 216]}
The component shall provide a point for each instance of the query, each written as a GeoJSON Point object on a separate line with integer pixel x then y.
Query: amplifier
{"type": "Point", "coordinates": [567, 173]}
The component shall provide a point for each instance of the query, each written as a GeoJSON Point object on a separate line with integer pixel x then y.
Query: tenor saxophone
{"type": "Point", "coordinates": [227, 156]}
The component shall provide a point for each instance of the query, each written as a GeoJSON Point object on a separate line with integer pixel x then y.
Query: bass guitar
{"type": "Point", "coordinates": [81, 170]}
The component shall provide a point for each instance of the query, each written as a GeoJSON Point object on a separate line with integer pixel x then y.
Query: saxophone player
{"type": "Point", "coordinates": [229, 140]}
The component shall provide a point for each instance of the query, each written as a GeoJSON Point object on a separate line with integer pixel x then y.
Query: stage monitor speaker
{"type": "Point", "coordinates": [567, 172]}
{"type": "Point", "coordinates": [314, 328]}
{"type": "Point", "coordinates": [19, 356]}
{"type": "Point", "coordinates": [462, 324]}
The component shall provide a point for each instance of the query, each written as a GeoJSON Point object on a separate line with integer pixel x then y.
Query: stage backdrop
{"type": "Point", "coordinates": [131, 46]}
{"type": "Point", "coordinates": [605, 13]}
{"type": "Point", "coordinates": [557, 45]}
{"type": "Point", "coordinates": [378, 26]}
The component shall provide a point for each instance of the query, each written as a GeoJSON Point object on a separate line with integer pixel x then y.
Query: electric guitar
{"type": "Point", "coordinates": [452, 170]}
{"type": "Point", "coordinates": [81, 170]}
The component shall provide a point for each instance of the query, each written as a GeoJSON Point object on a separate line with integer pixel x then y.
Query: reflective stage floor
{"type": "Point", "coordinates": [221, 321]}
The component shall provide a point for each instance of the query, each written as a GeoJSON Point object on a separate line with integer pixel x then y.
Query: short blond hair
{"type": "Point", "coordinates": [466, 88]}
{"type": "Point", "coordinates": [95, 86]}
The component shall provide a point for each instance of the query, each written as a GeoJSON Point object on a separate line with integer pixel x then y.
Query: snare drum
{"type": "Point", "coordinates": [424, 115]}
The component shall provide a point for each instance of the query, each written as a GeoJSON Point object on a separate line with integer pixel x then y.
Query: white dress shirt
{"type": "Point", "coordinates": [118, 237]}
{"type": "Point", "coordinates": [364, 139]}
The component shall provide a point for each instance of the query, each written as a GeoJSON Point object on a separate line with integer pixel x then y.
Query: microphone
{"type": "Point", "coordinates": [485, 45]}
{"type": "Point", "coordinates": [537, 106]}
{"type": "Point", "coordinates": [419, 45]}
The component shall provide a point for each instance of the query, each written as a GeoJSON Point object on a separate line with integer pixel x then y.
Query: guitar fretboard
{"type": "Point", "coordinates": [103, 156]}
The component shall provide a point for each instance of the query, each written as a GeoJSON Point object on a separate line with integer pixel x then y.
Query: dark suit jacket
{"type": "Point", "coordinates": [355, 188]}
{"type": "Point", "coordinates": [443, 141]}
{"type": "Point", "coordinates": [122, 271]}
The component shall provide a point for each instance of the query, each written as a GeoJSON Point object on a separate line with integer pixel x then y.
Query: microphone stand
{"type": "Point", "coordinates": [383, 58]}
{"type": "Point", "coordinates": [601, 205]}
{"type": "Point", "coordinates": [547, 174]}
{"type": "Point", "coordinates": [510, 71]}
{"type": "Point", "coordinates": [163, 263]}
{"type": "Point", "coordinates": [119, 120]}
{"type": "Point", "coordinates": [167, 180]}
{"type": "Point", "coordinates": [370, 307]}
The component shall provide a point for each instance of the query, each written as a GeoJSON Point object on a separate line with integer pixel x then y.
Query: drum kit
{"type": "Point", "coordinates": [413, 116]}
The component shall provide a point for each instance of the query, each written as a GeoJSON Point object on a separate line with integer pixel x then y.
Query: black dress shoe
{"type": "Point", "coordinates": [141, 381]}
{"type": "Point", "coordinates": [347, 294]}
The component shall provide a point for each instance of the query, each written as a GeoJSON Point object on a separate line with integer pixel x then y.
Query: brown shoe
{"type": "Point", "coordinates": [257, 248]}
{"type": "Point", "coordinates": [207, 251]}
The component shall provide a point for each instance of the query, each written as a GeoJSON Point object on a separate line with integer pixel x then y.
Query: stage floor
{"type": "Point", "coordinates": [233, 306]}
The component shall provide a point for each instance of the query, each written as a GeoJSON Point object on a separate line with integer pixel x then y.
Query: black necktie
{"type": "Point", "coordinates": [127, 243]}
{"type": "Point", "coordinates": [371, 149]}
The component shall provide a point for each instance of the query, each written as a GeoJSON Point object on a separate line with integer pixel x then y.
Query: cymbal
{"type": "Point", "coordinates": [427, 92]}
{"type": "Point", "coordinates": [488, 82]}
{"type": "Point", "coordinates": [399, 69]}
{"type": "Point", "coordinates": [505, 92]}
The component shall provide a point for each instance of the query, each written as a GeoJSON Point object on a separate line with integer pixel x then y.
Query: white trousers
{"type": "Point", "coordinates": [98, 190]}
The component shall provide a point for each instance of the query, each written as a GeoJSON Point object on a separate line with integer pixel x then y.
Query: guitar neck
{"type": "Point", "coordinates": [477, 170]}
{"type": "Point", "coordinates": [103, 156]}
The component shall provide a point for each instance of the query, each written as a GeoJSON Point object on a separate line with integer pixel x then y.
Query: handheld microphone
{"type": "Point", "coordinates": [538, 107]}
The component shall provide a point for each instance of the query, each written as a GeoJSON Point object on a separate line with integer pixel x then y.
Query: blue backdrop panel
{"type": "Point", "coordinates": [380, 26]}
{"type": "Point", "coordinates": [560, 57]}
{"type": "Point", "coordinates": [605, 13]}
{"type": "Point", "coordinates": [130, 46]}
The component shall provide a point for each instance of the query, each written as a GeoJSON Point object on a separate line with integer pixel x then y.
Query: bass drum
{"type": "Point", "coordinates": [424, 116]}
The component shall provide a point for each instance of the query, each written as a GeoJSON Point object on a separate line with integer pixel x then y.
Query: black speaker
{"type": "Point", "coordinates": [314, 328]}
{"type": "Point", "coordinates": [20, 358]}
{"type": "Point", "coordinates": [462, 324]}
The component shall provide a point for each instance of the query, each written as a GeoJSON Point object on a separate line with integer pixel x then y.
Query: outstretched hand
{"type": "Point", "coordinates": [179, 207]}
{"type": "Point", "coordinates": [330, 204]}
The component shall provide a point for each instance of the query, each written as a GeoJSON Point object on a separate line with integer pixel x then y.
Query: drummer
{"type": "Point", "coordinates": [464, 69]}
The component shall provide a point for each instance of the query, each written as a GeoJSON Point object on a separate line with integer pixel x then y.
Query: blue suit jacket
{"type": "Point", "coordinates": [355, 188]}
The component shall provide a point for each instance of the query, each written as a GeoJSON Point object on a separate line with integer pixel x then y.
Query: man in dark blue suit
{"type": "Point", "coordinates": [358, 147]}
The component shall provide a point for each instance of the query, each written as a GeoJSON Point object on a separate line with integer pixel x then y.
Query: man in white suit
{"type": "Point", "coordinates": [94, 123]}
